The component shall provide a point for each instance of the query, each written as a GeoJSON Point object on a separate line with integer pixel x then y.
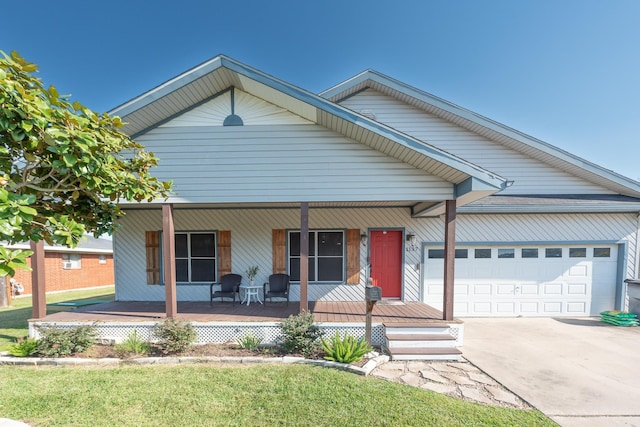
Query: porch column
{"type": "Point", "coordinates": [449, 258]}
{"type": "Point", "coordinates": [304, 256]}
{"type": "Point", "coordinates": [38, 290]}
{"type": "Point", "coordinates": [168, 258]}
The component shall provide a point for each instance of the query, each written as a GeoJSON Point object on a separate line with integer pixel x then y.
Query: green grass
{"type": "Point", "coordinates": [214, 395]}
{"type": "Point", "coordinates": [13, 320]}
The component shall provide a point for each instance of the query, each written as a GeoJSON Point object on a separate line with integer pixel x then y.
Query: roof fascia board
{"type": "Point", "coordinates": [169, 86]}
{"type": "Point", "coordinates": [537, 209]}
{"type": "Point", "coordinates": [485, 122]}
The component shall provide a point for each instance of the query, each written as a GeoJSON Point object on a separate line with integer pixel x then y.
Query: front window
{"type": "Point", "coordinates": [326, 256]}
{"type": "Point", "coordinates": [195, 257]}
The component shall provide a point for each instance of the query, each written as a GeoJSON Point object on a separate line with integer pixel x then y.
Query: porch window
{"type": "Point", "coordinates": [195, 257]}
{"type": "Point", "coordinates": [326, 256]}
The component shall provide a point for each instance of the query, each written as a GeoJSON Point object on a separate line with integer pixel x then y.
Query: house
{"type": "Point", "coordinates": [88, 265]}
{"type": "Point", "coordinates": [382, 176]}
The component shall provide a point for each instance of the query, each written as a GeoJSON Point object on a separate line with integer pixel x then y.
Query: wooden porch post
{"type": "Point", "coordinates": [304, 256]}
{"type": "Point", "coordinates": [168, 257]}
{"type": "Point", "coordinates": [38, 289]}
{"type": "Point", "coordinates": [449, 258]}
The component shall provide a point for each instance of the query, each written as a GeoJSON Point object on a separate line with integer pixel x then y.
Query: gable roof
{"type": "Point", "coordinates": [486, 127]}
{"type": "Point", "coordinates": [212, 77]}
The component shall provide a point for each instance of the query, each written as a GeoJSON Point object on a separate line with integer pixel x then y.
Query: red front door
{"type": "Point", "coordinates": [385, 257]}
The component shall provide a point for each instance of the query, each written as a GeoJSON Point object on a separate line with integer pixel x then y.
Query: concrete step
{"type": "Point", "coordinates": [420, 340]}
{"type": "Point", "coordinates": [437, 353]}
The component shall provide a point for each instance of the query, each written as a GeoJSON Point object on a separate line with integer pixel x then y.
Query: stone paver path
{"type": "Point", "coordinates": [462, 380]}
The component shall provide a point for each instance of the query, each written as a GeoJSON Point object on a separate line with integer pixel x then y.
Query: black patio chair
{"type": "Point", "coordinates": [278, 287]}
{"type": "Point", "coordinates": [229, 287]}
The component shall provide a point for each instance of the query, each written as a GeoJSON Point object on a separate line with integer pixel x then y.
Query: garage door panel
{"type": "Point", "coordinates": [552, 307]}
{"type": "Point", "coordinates": [506, 307]}
{"type": "Point", "coordinates": [529, 289]}
{"type": "Point", "coordinates": [580, 282]}
{"type": "Point", "coordinates": [482, 289]}
{"type": "Point", "coordinates": [576, 307]}
{"type": "Point", "coordinates": [529, 308]}
{"type": "Point", "coordinates": [552, 289]}
{"type": "Point", "coordinates": [577, 289]}
{"type": "Point", "coordinates": [483, 307]}
{"type": "Point", "coordinates": [581, 270]}
{"type": "Point", "coordinates": [505, 289]}
{"type": "Point", "coordinates": [461, 289]}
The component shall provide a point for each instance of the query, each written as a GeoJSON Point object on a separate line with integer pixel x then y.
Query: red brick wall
{"type": "Point", "coordinates": [91, 274]}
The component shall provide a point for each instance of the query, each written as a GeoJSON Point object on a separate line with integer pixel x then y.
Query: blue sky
{"type": "Point", "coordinates": [564, 71]}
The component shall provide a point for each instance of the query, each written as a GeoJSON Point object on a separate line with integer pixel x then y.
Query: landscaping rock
{"type": "Point", "coordinates": [458, 379]}
{"type": "Point", "coordinates": [474, 394]}
{"type": "Point", "coordinates": [433, 376]}
{"type": "Point", "coordinates": [441, 367]}
{"type": "Point", "coordinates": [465, 366]}
{"type": "Point", "coordinates": [411, 379]}
{"type": "Point", "coordinates": [439, 388]}
{"type": "Point", "coordinates": [481, 378]}
{"type": "Point", "coordinates": [502, 395]}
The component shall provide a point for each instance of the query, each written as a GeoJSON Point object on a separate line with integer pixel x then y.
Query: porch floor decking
{"type": "Point", "coordinates": [200, 311]}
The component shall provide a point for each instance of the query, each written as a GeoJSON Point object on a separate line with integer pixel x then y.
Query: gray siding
{"type": "Point", "coordinates": [251, 241]}
{"type": "Point", "coordinates": [530, 176]}
{"type": "Point", "coordinates": [282, 163]}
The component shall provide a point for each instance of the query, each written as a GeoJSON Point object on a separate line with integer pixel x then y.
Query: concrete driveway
{"type": "Point", "coordinates": [579, 372]}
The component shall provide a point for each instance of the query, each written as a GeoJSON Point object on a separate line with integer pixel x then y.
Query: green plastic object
{"type": "Point", "coordinates": [619, 318]}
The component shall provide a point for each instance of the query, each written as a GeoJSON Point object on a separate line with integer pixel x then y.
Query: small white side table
{"type": "Point", "coordinates": [251, 291]}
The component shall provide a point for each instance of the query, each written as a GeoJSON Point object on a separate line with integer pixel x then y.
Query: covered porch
{"type": "Point", "coordinates": [225, 322]}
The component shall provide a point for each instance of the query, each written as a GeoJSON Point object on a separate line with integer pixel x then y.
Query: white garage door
{"type": "Point", "coordinates": [527, 280]}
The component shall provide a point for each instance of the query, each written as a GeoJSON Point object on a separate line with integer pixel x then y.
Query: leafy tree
{"type": "Point", "coordinates": [63, 167]}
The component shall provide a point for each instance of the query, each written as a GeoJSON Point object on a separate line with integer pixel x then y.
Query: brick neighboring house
{"type": "Point", "coordinates": [88, 265]}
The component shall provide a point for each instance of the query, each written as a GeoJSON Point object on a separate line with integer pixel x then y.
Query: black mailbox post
{"type": "Point", "coordinates": [372, 294]}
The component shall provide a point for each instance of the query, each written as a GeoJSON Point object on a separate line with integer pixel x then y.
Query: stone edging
{"type": "Point", "coordinates": [368, 367]}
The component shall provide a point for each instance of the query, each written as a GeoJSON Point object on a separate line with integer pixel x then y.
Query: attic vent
{"type": "Point", "coordinates": [368, 114]}
{"type": "Point", "coordinates": [233, 119]}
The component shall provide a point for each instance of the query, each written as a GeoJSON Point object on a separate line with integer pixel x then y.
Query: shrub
{"type": "Point", "coordinates": [249, 341]}
{"type": "Point", "coordinates": [132, 346]}
{"type": "Point", "coordinates": [23, 347]}
{"type": "Point", "coordinates": [345, 350]}
{"type": "Point", "coordinates": [174, 336]}
{"type": "Point", "coordinates": [56, 342]}
{"type": "Point", "coordinates": [300, 334]}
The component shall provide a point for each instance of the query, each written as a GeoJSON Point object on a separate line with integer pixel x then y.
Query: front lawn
{"type": "Point", "coordinates": [212, 395]}
{"type": "Point", "coordinates": [13, 320]}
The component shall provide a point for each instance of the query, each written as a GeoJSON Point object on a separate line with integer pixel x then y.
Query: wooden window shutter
{"type": "Point", "coordinates": [152, 245]}
{"type": "Point", "coordinates": [353, 257]}
{"type": "Point", "coordinates": [224, 253]}
{"type": "Point", "coordinates": [279, 251]}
